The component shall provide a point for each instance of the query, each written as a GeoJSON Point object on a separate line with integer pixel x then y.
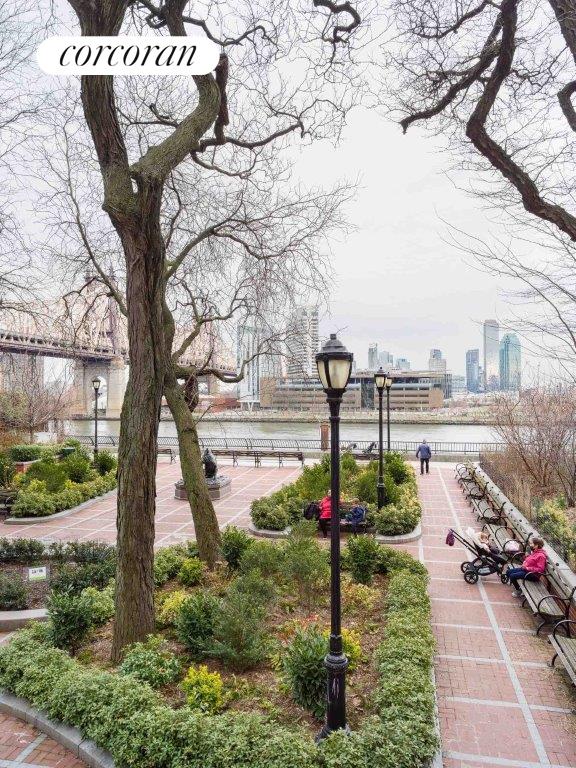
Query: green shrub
{"type": "Point", "coordinates": [26, 551]}
{"type": "Point", "coordinates": [303, 670]}
{"type": "Point", "coordinates": [554, 525]}
{"type": "Point", "coordinates": [72, 579]}
{"type": "Point", "coordinates": [47, 471]}
{"type": "Point", "coordinates": [366, 486]}
{"type": "Point", "coordinates": [82, 552]}
{"type": "Point", "coordinates": [363, 554]}
{"type": "Point", "coordinates": [263, 556]}
{"type": "Point", "coordinates": [195, 622]}
{"type": "Point", "coordinates": [105, 462]}
{"type": "Point", "coordinates": [239, 639]}
{"type": "Point", "coordinates": [151, 662]}
{"type": "Point", "coordinates": [305, 565]}
{"type": "Point", "coordinates": [7, 470]}
{"type": "Point", "coordinates": [13, 593]}
{"type": "Point", "coordinates": [390, 559]}
{"type": "Point", "coordinates": [167, 563]}
{"type": "Point", "coordinates": [101, 602]}
{"type": "Point", "coordinates": [358, 598]}
{"type": "Point", "coordinates": [314, 481]}
{"type": "Point", "coordinates": [293, 509]}
{"type": "Point", "coordinates": [71, 619]}
{"type": "Point", "coordinates": [77, 467]}
{"type": "Point", "coordinates": [350, 645]}
{"type": "Point", "coordinates": [191, 572]}
{"type": "Point", "coordinates": [169, 607]}
{"type": "Point", "coordinates": [268, 515]}
{"type": "Point", "coordinates": [394, 520]}
{"type": "Point", "coordinates": [204, 690]}
{"type": "Point", "coordinates": [255, 586]}
{"type": "Point", "coordinates": [234, 543]}
{"type": "Point", "coordinates": [67, 499]}
{"type": "Point", "coordinates": [33, 504]}
{"type": "Point", "coordinates": [397, 467]}
{"type": "Point", "coordinates": [25, 452]}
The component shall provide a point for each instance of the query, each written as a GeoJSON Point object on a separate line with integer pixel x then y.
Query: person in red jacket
{"type": "Point", "coordinates": [325, 514]}
{"type": "Point", "coordinates": [533, 566]}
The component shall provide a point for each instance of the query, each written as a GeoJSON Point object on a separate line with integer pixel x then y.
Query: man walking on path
{"type": "Point", "coordinates": [424, 453]}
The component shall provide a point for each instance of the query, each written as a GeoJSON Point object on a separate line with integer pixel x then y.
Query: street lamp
{"type": "Point", "coordinates": [96, 384]}
{"type": "Point", "coordinates": [380, 383]}
{"type": "Point", "coordinates": [388, 387]}
{"type": "Point", "coordinates": [334, 364]}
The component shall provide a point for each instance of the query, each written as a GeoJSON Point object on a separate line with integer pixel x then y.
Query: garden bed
{"type": "Point", "coordinates": [235, 676]}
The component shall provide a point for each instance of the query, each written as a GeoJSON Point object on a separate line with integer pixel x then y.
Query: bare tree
{"type": "Point", "coordinates": [285, 71]}
{"type": "Point", "coordinates": [29, 401]}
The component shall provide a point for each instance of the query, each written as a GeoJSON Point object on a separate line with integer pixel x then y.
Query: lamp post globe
{"type": "Point", "coordinates": [380, 383]}
{"type": "Point", "coordinates": [334, 364]}
{"type": "Point", "coordinates": [96, 386]}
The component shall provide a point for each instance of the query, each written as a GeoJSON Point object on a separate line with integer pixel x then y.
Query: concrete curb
{"type": "Point", "coordinates": [11, 620]}
{"type": "Point", "coordinates": [70, 738]}
{"type": "Point", "coordinates": [56, 515]}
{"type": "Point", "coordinates": [403, 538]}
{"type": "Point", "coordinates": [265, 534]}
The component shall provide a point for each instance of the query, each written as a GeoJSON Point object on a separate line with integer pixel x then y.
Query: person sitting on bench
{"type": "Point", "coordinates": [532, 568]}
{"type": "Point", "coordinates": [325, 514]}
{"type": "Point", "coordinates": [357, 515]}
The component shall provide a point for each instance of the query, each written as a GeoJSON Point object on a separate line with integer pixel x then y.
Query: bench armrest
{"type": "Point", "coordinates": [556, 599]}
{"type": "Point", "coordinates": [565, 624]}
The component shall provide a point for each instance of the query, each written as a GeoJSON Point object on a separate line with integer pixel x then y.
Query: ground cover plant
{"type": "Point", "coordinates": [60, 477]}
{"type": "Point", "coordinates": [234, 675]}
{"type": "Point", "coordinates": [400, 514]}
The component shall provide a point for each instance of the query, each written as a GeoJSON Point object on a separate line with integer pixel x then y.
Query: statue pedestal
{"type": "Point", "coordinates": [218, 487]}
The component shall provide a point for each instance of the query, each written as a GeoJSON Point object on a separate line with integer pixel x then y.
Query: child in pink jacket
{"type": "Point", "coordinates": [532, 568]}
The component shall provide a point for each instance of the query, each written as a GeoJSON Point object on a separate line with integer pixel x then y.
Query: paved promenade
{"type": "Point", "coordinates": [500, 705]}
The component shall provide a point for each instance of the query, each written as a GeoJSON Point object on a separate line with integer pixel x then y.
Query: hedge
{"type": "Point", "coordinates": [34, 503]}
{"type": "Point", "coordinates": [133, 722]}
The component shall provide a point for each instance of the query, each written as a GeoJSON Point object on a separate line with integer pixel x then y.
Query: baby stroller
{"type": "Point", "coordinates": [485, 562]}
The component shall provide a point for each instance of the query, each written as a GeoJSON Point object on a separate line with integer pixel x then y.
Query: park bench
{"type": "Point", "coordinates": [549, 598]}
{"type": "Point", "coordinates": [258, 455]}
{"type": "Point", "coordinates": [564, 647]}
{"type": "Point", "coordinates": [502, 537]}
{"type": "Point", "coordinates": [7, 498]}
{"type": "Point", "coordinates": [486, 510]}
{"type": "Point", "coordinates": [166, 452]}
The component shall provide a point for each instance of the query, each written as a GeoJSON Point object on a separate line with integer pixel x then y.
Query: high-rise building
{"type": "Point", "coordinates": [510, 362]}
{"type": "Point", "coordinates": [261, 359]}
{"type": "Point", "coordinates": [473, 370]}
{"type": "Point", "coordinates": [402, 364]}
{"type": "Point", "coordinates": [386, 360]}
{"type": "Point", "coordinates": [302, 342]}
{"type": "Point", "coordinates": [491, 355]}
{"type": "Point", "coordinates": [458, 385]}
{"type": "Point", "coordinates": [436, 362]}
{"type": "Point", "coordinates": [373, 357]}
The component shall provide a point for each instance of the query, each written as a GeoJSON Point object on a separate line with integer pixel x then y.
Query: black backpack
{"type": "Point", "coordinates": [312, 511]}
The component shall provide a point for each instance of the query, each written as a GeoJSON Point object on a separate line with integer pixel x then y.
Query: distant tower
{"type": "Point", "coordinates": [436, 362]}
{"type": "Point", "coordinates": [510, 362]}
{"type": "Point", "coordinates": [373, 357]}
{"type": "Point", "coordinates": [473, 370]}
{"type": "Point", "coordinates": [303, 342]}
{"type": "Point", "coordinates": [491, 356]}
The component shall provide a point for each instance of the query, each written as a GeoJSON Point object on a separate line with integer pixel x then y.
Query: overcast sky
{"type": "Point", "coordinates": [397, 282]}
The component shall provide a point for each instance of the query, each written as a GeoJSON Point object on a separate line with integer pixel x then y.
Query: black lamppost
{"type": "Point", "coordinates": [96, 384]}
{"type": "Point", "coordinates": [388, 387]}
{"type": "Point", "coordinates": [380, 383]}
{"type": "Point", "coordinates": [334, 364]}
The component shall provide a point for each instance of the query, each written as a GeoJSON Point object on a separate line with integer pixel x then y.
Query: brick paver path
{"type": "Point", "coordinates": [173, 520]}
{"type": "Point", "coordinates": [500, 704]}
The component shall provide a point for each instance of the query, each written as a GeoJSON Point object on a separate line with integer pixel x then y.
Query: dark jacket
{"type": "Point", "coordinates": [423, 451]}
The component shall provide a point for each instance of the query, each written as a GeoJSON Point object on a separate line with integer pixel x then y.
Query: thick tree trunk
{"type": "Point", "coordinates": [203, 514]}
{"type": "Point", "coordinates": [138, 444]}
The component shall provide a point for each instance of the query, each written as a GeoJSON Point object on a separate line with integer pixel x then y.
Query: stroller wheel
{"type": "Point", "coordinates": [504, 578]}
{"type": "Point", "coordinates": [470, 577]}
{"type": "Point", "coordinates": [465, 566]}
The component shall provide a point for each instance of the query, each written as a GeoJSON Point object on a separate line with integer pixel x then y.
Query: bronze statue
{"type": "Point", "coordinates": [210, 466]}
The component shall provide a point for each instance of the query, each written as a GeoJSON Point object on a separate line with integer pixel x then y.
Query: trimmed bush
{"type": "Point", "coordinates": [13, 593]}
{"type": "Point", "coordinates": [101, 602]}
{"type": "Point", "coordinates": [303, 670]}
{"type": "Point", "coordinates": [169, 606]}
{"type": "Point", "coordinates": [263, 556]}
{"type": "Point", "coordinates": [25, 551]}
{"type": "Point", "coordinates": [71, 619]}
{"type": "Point", "coordinates": [73, 579]}
{"type": "Point", "coordinates": [167, 563]}
{"type": "Point", "coordinates": [105, 462]}
{"type": "Point", "coordinates": [234, 543]}
{"type": "Point", "coordinates": [204, 690]}
{"type": "Point", "coordinates": [267, 515]}
{"type": "Point", "coordinates": [151, 662]}
{"type": "Point", "coordinates": [25, 452]}
{"type": "Point", "coordinates": [49, 472]}
{"type": "Point", "coordinates": [255, 586]}
{"type": "Point", "coordinates": [195, 622]}
{"type": "Point", "coordinates": [33, 504]}
{"type": "Point", "coordinates": [82, 552]}
{"type": "Point", "coordinates": [362, 557]}
{"type": "Point", "coordinates": [191, 572]}
{"type": "Point", "coordinates": [77, 467]}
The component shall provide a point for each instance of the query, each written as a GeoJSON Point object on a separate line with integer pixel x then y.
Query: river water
{"type": "Point", "coordinates": [463, 433]}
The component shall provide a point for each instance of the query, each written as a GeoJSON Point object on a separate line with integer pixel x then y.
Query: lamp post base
{"type": "Point", "coordinates": [326, 731]}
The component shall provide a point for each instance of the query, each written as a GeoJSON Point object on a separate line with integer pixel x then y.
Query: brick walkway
{"type": "Point", "coordinates": [500, 705]}
{"type": "Point", "coordinates": [173, 519]}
